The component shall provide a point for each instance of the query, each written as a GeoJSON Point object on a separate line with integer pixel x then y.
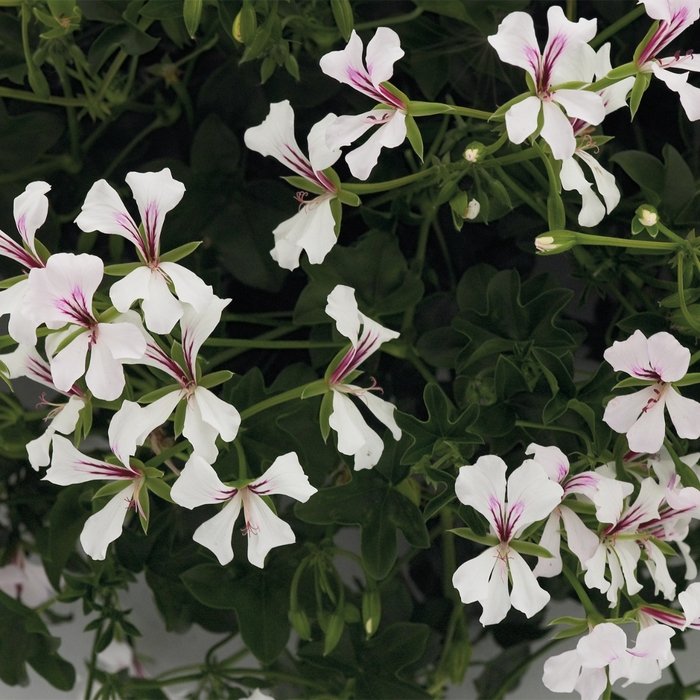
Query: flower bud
{"type": "Point", "coordinates": [555, 242]}
{"type": "Point", "coordinates": [473, 209]}
{"type": "Point", "coordinates": [473, 152]}
{"type": "Point", "coordinates": [646, 219]}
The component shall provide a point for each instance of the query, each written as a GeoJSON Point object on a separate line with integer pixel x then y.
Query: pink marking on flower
{"type": "Point", "coordinates": [76, 309]}
{"type": "Point", "coordinates": [676, 620]}
{"type": "Point", "coordinates": [300, 164]}
{"type": "Point", "coordinates": [354, 357]}
{"type": "Point", "coordinates": [150, 225]}
{"type": "Point", "coordinates": [127, 223]}
{"type": "Point", "coordinates": [551, 55]}
{"type": "Point", "coordinates": [14, 251]}
{"type": "Point", "coordinates": [361, 81]}
{"type": "Point", "coordinates": [106, 470]}
{"type": "Point", "coordinates": [259, 488]}
{"type": "Point", "coordinates": [166, 363]}
{"type": "Point", "coordinates": [665, 34]}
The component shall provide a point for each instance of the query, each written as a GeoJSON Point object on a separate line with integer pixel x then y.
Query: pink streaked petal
{"type": "Point", "coordinates": [516, 42]}
{"type": "Point", "coordinates": [105, 526]}
{"type": "Point", "coordinates": [557, 131]}
{"type": "Point", "coordinates": [668, 357]}
{"type": "Point", "coordinates": [199, 485]}
{"type": "Point", "coordinates": [483, 487]}
{"type": "Point", "coordinates": [263, 528]}
{"type": "Point", "coordinates": [14, 251]}
{"type": "Point", "coordinates": [527, 595]}
{"type": "Point", "coordinates": [565, 37]}
{"type": "Point", "coordinates": [551, 459]}
{"type": "Point", "coordinates": [156, 194]}
{"type": "Point", "coordinates": [685, 414]}
{"type": "Point", "coordinates": [197, 326]}
{"type": "Point", "coordinates": [521, 119]}
{"type": "Point", "coordinates": [285, 476]}
{"type": "Point", "coordinates": [30, 211]}
{"type": "Point", "coordinates": [215, 534]}
{"type": "Point", "coordinates": [622, 412]}
{"type": "Point", "coordinates": [383, 50]}
{"type": "Point", "coordinates": [275, 137]}
{"type": "Point", "coordinates": [647, 434]}
{"type": "Point", "coordinates": [103, 210]}
{"type": "Point", "coordinates": [532, 496]}
{"type": "Point", "coordinates": [644, 509]}
{"type": "Point", "coordinates": [674, 15]}
{"type": "Point", "coordinates": [390, 134]}
{"type": "Point", "coordinates": [69, 466]}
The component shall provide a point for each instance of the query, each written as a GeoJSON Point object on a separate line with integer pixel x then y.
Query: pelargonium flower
{"type": "Point", "coordinates": [355, 437]}
{"type": "Point", "coordinates": [30, 211]}
{"type": "Point", "coordinates": [25, 361]}
{"type": "Point", "coordinates": [661, 360]}
{"type": "Point", "coordinates": [313, 228]}
{"type": "Point", "coordinates": [346, 66]}
{"type": "Point", "coordinates": [206, 415]}
{"type": "Point", "coordinates": [199, 485]}
{"type": "Point", "coordinates": [567, 57]}
{"type": "Point", "coordinates": [583, 668]}
{"type": "Point", "coordinates": [68, 466]}
{"type": "Point", "coordinates": [155, 194]}
{"type": "Point", "coordinates": [674, 16]}
{"type": "Point", "coordinates": [572, 175]}
{"type": "Point", "coordinates": [531, 496]}
{"type": "Point", "coordinates": [60, 295]}
{"type": "Point", "coordinates": [26, 581]}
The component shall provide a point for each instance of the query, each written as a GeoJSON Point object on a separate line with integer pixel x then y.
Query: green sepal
{"type": "Point", "coordinates": [665, 547]}
{"type": "Point", "coordinates": [337, 211]}
{"type": "Point", "coordinates": [325, 414]}
{"type": "Point", "coordinates": [689, 379]}
{"type": "Point", "coordinates": [122, 269]}
{"type": "Point", "coordinates": [152, 396]}
{"type": "Point", "coordinates": [573, 631]}
{"type": "Point", "coordinates": [11, 281]}
{"type": "Point", "coordinates": [300, 622]}
{"type": "Point", "coordinates": [371, 607]}
{"type": "Point", "coordinates": [316, 388]}
{"type": "Point", "coordinates": [641, 83]}
{"type": "Point", "coordinates": [335, 362]}
{"type": "Point", "coordinates": [414, 136]}
{"type": "Point", "coordinates": [624, 71]}
{"type": "Point", "coordinates": [180, 252]}
{"type": "Point", "coordinates": [334, 630]}
{"type": "Point", "coordinates": [301, 183]}
{"type": "Point", "coordinates": [192, 14]}
{"type": "Point", "coordinates": [160, 488]}
{"type": "Point", "coordinates": [469, 534]}
{"type": "Point", "coordinates": [397, 93]}
{"type": "Point", "coordinates": [349, 198]}
{"type": "Point", "coordinates": [215, 378]}
{"type": "Point", "coordinates": [4, 372]}
{"type": "Point", "coordinates": [42, 251]}
{"type": "Point", "coordinates": [342, 14]}
{"type": "Point", "coordinates": [69, 339]}
{"type": "Point", "coordinates": [425, 109]}
{"type": "Point", "coordinates": [643, 43]}
{"type": "Point", "coordinates": [632, 381]}
{"type": "Point", "coordinates": [145, 508]}
{"type": "Point", "coordinates": [333, 177]}
{"type": "Point", "coordinates": [84, 420]}
{"type": "Point", "coordinates": [179, 422]}
{"type": "Point", "coordinates": [566, 620]}
{"type": "Point", "coordinates": [177, 354]}
{"type": "Point", "coordinates": [530, 82]}
{"type": "Point", "coordinates": [112, 488]}
{"type": "Point", "coordinates": [530, 548]}
{"type": "Point", "coordinates": [151, 472]}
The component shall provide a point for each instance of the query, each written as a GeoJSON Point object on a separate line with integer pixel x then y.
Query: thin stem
{"type": "Point", "coordinates": [525, 196]}
{"type": "Point", "coordinates": [389, 21]}
{"type": "Point", "coordinates": [254, 343]}
{"type": "Point", "coordinates": [370, 188]}
{"type": "Point", "coordinates": [588, 606]}
{"type": "Point", "coordinates": [157, 123]}
{"type": "Point", "coordinates": [469, 112]}
{"type": "Point", "coordinates": [242, 465]}
{"type": "Point", "coordinates": [419, 261]}
{"type": "Point", "coordinates": [320, 386]}
{"type": "Point", "coordinates": [32, 97]}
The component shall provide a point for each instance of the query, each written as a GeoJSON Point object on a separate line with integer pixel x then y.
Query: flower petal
{"type": "Point", "coordinates": [532, 496]}
{"type": "Point", "coordinates": [522, 118]}
{"type": "Point", "coordinates": [215, 534]}
{"type": "Point", "coordinates": [390, 134]}
{"type": "Point", "coordinates": [263, 528]}
{"type": "Point", "coordinates": [105, 526]}
{"type": "Point", "coordinates": [30, 210]}
{"type": "Point", "coordinates": [355, 437]}
{"type": "Point", "coordinates": [685, 414]}
{"type": "Point", "coordinates": [483, 487]}
{"type": "Point", "coordinates": [285, 476]}
{"type": "Point", "coordinates": [572, 178]}
{"type": "Point", "coordinates": [527, 595]}
{"type": "Point", "coordinates": [471, 579]}
{"type": "Point", "coordinates": [199, 485]}
{"type": "Point", "coordinates": [516, 43]}
{"type": "Point", "coordinates": [557, 131]}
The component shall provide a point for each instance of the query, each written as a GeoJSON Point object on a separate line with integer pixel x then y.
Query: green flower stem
{"type": "Point", "coordinates": [32, 97]}
{"type": "Point", "coordinates": [615, 27]}
{"type": "Point", "coordinates": [559, 428]}
{"type": "Point", "coordinates": [320, 386]}
{"type": "Point", "coordinates": [651, 246]}
{"type": "Point", "coordinates": [73, 127]}
{"type": "Point", "coordinates": [449, 558]}
{"type": "Point", "coordinates": [681, 296]}
{"type": "Point", "coordinates": [523, 194]}
{"type": "Point", "coordinates": [671, 235]}
{"type": "Point", "coordinates": [469, 112]}
{"type": "Point", "coordinates": [226, 355]}
{"type": "Point", "coordinates": [242, 465]}
{"type": "Point", "coordinates": [419, 260]}
{"type": "Point", "coordinates": [371, 188]}
{"type": "Point", "coordinates": [519, 157]}
{"type": "Point", "coordinates": [390, 21]}
{"type": "Point", "coordinates": [591, 612]}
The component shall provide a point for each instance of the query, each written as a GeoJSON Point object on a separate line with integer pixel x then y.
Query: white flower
{"type": "Point", "coordinates": [347, 67]}
{"type": "Point", "coordinates": [583, 669]}
{"type": "Point", "coordinates": [567, 57]}
{"type": "Point", "coordinates": [155, 194]}
{"type": "Point", "coordinates": [26, 581]}
{"type": "Point", "coordinates": [355, 437]}
{"type": "Point", "coordinates": [119, 656]}
{"type": "Point", "coordinates": [206, 415]}
{"type": "Point", "coordinates": [60, 295]}
{"type": "Point", "coordinates": [531, 496]}
{"type": "Point", "coordinates": [674, 16]}
{"type": "Point", "coordinates": [662, 360]}
{"type": "Point", "coordinates": [313, 228]}
{"type": "Point", "coordinates": [68, 466]}
{"type": "Point", "coordinates": [199, 485]}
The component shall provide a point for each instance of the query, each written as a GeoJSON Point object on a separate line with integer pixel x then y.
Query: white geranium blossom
{"type": "Point", "coordinates": [355, 437]}
{"type": "Point", "coordinates": [155, 194]}
{"type": "Point", "coordinates": [198, 485]}
{"type": "Point", "coordinates": [347, 67]}
{"type": "Point", "coordinates": [662, 360]}
{"type": "Point", "coordinates": [531, 496]}
{"type": "Point", "coordinates": [313, 228]}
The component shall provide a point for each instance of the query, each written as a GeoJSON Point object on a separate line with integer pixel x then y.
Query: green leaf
{"type": "Point", "coordinates": [414, 136]}
{"type": "Point", "coordinates": [530, 548]}
{"type": "Point", "coordinates": [342, 14]}
{"type": "Point", "coordinates": [215, 378]}
{"type": "Point", "coordinates": [468, 534]}
{"type": "Point", "coordinates": [441, 429]}
{"type": "Point", "coordinates": [122, 269]}
{"type": "Point", "coordinates": [192, 13]}
{"type": "Point", "coordinates": [646, 170]}
{"type": "Point", "coordinates": [111, 489]}
{"type": "Point", "coordinates": [641, 83]}
{"type": "Point", "coordinates": [679, 182]}
{"type": "Point", "coordinates": [160, 488]}
{"type": "Point", "coordinates": [211, 585]}
{"type": "Point", "coordinates": [152, 396]}
{"type": "Point", "coordinates": [180, 252]}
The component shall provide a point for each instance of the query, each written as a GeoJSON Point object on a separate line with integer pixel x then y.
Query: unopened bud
{"type": "Point", "coordinates": [648, 217]}
{"type": "Point", "coordinates": [473, 209]}
{"type": "Point", "coordinates": [236, 30]}
{"type": "Point", "coordinates": [471, 154]}
{"type": "Point", "coordinates": [555, 242]}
